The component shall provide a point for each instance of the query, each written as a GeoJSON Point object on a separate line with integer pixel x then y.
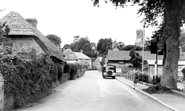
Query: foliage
{"type": "Point", "coordinates": [29, 80]}
{"type": "Point", "coordinates": [158, 37]}
{"type": "Point", "coordinates": [137, 48]}
{"type": "Point", "coordinates": [103, 46]}
{"type": "Point", "coordinates": [130, 47]}
{"type": "Point", "coordinates": [83, 45]}
{"type": "Point", "coordinates": [4, 30]}
{"type": "Point", "coordinates": [91, 54]}
{"type": "Point", "coordinates": [135, 59]}
{"type": "Point", "coordinates": [172, 17]}
{"type": "Point", "coordinates": [157, 89]}
{"type": "Point", "coordinates": [120, 45]}
{"type": "Point", "coordinates": [66, 46]}
{"type": "Point", "coordinates": [93, 44]}
{"type": "Point", "coordinates": [76, 38]}
{"type": "Point", "coordinates": [54, 39]}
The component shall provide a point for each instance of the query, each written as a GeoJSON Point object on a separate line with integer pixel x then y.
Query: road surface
{"type": "Point", "coordinates": [93, 93]}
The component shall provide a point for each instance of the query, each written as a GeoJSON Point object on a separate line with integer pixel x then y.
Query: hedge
{"type": "Point", "coordinates": [27, 80]}
{"type": "Point", "coordinates": [33, 77]}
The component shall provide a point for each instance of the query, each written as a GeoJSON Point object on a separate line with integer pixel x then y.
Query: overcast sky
{"type": "Point", "coordinates": [68, 18]}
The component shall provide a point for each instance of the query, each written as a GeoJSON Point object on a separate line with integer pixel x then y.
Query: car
{"type": "Point", "coordinates": [109, 71]}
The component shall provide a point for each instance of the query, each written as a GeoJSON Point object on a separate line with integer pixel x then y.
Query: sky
{"type": "Point", "coordinates": [68, 18]}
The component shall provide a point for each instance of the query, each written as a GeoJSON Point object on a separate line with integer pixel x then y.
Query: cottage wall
{"type": "Point", "coordinates": [25, 44]}
{"type": "Point", "coordinates": [86, 62]}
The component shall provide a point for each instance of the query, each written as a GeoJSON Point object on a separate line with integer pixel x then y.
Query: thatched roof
{"type": "Point", "coordinates": [80, 55]}
{"type": "Point", "coordinates": [19, 26]}
{"type": "Point", "coordinates": [69, 54]}
{"type": "Point", "coordinates": [124, 55]}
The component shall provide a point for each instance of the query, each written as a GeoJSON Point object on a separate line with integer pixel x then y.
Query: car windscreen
{"type": "Point", "coordinates": [111, 68]}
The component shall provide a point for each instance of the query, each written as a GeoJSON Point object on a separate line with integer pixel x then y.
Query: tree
{"type": "Point", "coordinates": [172, 14]}
{"type": "Point", "coordinates": [54, 39]}
{"type": "Point", "coordinates": [93, 45]}
{"type": "Point", "coordinates": [66, 46]}
{"type": "Point", "coordinates": [128, 47]}
{"type": "Point", "coordinates": [103, 46]}
{"type": "Point", "coordinates": [182, 41]}
{"type": "Point", "coordinates": [4, 32]}
{"type": "Point", "coordinates": [83, 45]}
{"type": "Point", "coordinates": [120, 45]}
{"type": "Point", "coordinates": [135, 59]}
{"type": "Point", "coordinates": [76, 38]}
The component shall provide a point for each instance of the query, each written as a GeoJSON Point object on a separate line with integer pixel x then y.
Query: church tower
{"type": "Point", "coordinates": [114, 45]}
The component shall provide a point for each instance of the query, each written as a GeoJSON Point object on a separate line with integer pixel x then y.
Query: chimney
{"type": "Point", "coordinates": [32, 21]}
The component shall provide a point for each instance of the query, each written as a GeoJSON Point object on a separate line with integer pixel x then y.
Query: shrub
{"type": "Point", "coordinates": [143, 77]}
{"type": "Point", "coordinates": [27, 80]}
{"type": "Point", "coordinates": [74, 70]}
{"type": "Point", "coordinates": [81, 70]}
{"type": "Point", "coordinates": [71, 69]}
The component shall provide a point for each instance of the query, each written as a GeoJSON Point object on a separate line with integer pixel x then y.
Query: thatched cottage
{"type": "Point", "coordinates": [77, 57]}
{"type": "Point", "coordinates": [24, 35]}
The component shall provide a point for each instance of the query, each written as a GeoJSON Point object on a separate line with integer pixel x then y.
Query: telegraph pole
{"type": "Point", "coordinates": [143, 45]}
{"type": "Point", "coordinates": [143, 49]}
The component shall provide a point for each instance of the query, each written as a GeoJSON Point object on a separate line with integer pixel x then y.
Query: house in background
{"type": "Point", "coordinates": [69, 55]}
{"type": "Point", "coordinates": [119, 59]}
{"type": "Point", "coordinates": [83, 59]}
{"type": "Point", "coordinates": [77, 57]}
{"type": "Point", "coordinates": [151, 68]}
{"type": "Point", "coordinates": [24, 36]}
{"type": "Point", "coordinates": [122, 59]}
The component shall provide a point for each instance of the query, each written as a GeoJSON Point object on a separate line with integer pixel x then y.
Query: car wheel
{"type": "Point", "coordinates": [113, 77]}
{"type": "Point", "coordinates": [103, 76]}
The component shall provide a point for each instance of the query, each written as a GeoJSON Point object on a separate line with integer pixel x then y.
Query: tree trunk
{"type": "Point", "coordinates": [171, 36]}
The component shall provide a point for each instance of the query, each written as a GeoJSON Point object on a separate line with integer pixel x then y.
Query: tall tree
{"type": "Point", "coordinates": [76, 38]}
{"type": "Point", "coordinates": [83, 44]}
{"type": "Point", "coordinates": [66, 46]}
{"type": "Point", "coordinates": [120, 45]}
{"type": "Point", "coordinates": [128, 47]}
{"type": "Point", "coordinates": [172, 14]}
{"type": "Point", "coordinates": [54, 39]}
{"type": "Point", "coordinates": [93, 45]}
{"type": "Point", "coordinates": [135, 59]}
{"type": "Point", "coordinates": [103, 46]}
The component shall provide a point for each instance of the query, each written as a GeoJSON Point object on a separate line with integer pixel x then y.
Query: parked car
{"type": "Point", "coordinates": [109, 71]}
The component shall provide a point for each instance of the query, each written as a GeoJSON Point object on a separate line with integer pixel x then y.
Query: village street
{"type": "Point", "coordinates": [93, 93]}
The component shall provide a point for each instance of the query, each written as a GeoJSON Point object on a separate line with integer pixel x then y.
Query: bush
{"type": "Point", "coordinates": [126, 69]}
{"type": "Point", "coordinates": [81, 70]}
{"type": "Point", "coordinates": [71, 69]}
{"type": "Point", "coordinates": [143, 77]}
{"type": "Point", "coordinates": [27, 80]}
